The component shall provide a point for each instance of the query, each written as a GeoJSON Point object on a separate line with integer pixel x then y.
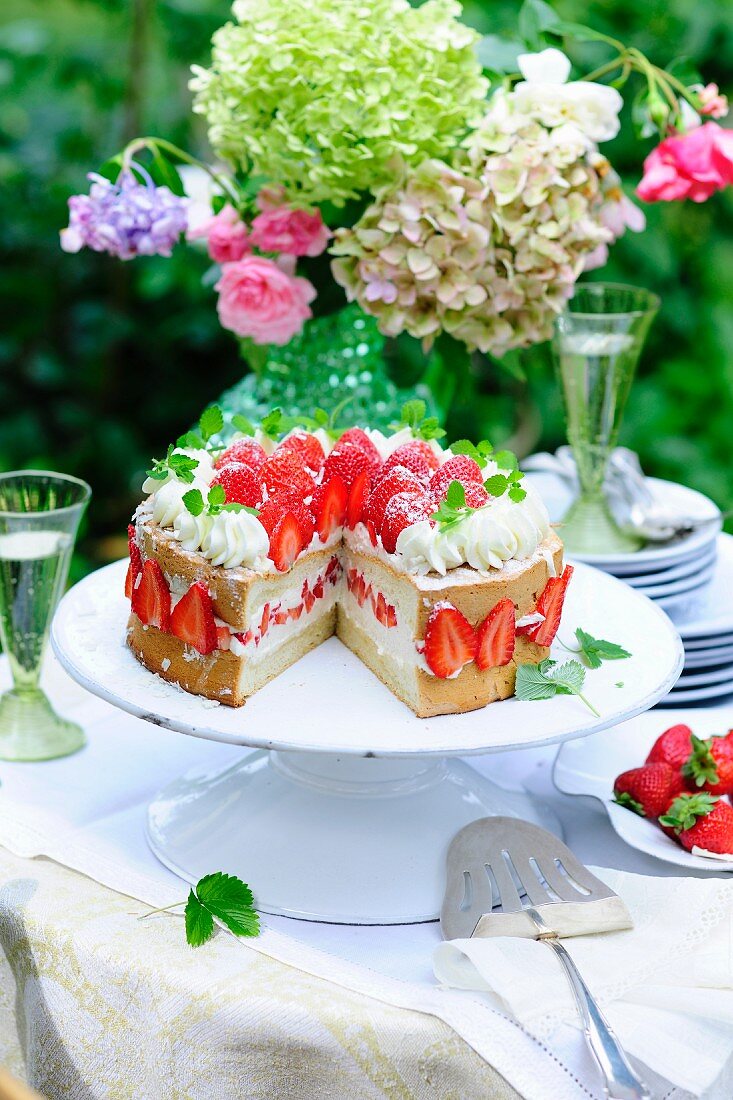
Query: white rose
{"type": "Point", "coordinates": [546, 94]}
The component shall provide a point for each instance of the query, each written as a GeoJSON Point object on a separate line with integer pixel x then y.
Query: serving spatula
{"type": "Point", "coordinates": [510, 878]}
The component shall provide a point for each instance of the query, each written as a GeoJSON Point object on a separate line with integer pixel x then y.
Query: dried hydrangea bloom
{"type": "Point", "coordinates": [320, 97]}
{"type": "Point", "coordinates": [487, 251]}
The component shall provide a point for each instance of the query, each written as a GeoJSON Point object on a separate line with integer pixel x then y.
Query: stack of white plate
{"type": "Point", "coordinates": [690, 577]}
{"type": "Point", "coordinates": [704, 619]}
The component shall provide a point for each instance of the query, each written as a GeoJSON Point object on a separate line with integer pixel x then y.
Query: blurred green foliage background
{"type": "Point", "coordinates": [101, 363]}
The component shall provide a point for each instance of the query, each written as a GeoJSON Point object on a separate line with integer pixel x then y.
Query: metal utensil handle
{"type": "Point", "coordinates": [621, 1082]}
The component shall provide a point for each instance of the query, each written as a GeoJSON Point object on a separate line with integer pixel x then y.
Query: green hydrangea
{"type": "Point", "coordinates": [321, 96]}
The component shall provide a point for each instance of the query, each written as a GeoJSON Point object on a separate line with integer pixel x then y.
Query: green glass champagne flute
{"type": "Point", "coordinates": [39, 519]}
{"type": "Point", "coordinates": [597, 343]}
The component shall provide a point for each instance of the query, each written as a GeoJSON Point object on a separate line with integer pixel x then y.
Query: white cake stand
{"type": "Point", "coordinates": [347, 812]}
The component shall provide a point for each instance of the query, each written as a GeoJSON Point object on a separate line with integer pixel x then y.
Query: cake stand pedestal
{"type": "Point", "coordinates": [347, 813]}
{"type": "Point", "coordinates": [326, 837]}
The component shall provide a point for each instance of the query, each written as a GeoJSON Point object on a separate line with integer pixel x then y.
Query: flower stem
{"type": "Point", "coordinates": [163, 909]}
{"type": "Point", "coordinates": [155, 144]}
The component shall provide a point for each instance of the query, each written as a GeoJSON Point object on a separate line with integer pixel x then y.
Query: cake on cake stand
{"type": "Point", "coordinates": [346, 811]}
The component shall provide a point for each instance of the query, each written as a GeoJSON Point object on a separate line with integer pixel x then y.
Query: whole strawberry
{"type": "Point", "coordinates": [648, 790]}
{"type": "Point", "coordinates": [710, 765]}
{"type": "Point", "coordinates": [701, 821]}
{"type": "Point", "coordinates": [672, 747]}
{"type": "Point", "coordinates": [347, 461]}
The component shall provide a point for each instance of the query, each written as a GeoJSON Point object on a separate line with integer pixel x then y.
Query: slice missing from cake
{"type": "Point", "coordinates": [260, 552]}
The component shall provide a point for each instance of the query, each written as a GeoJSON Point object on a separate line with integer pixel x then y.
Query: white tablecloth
{"type": "Point", "coordinates": [87, 812]}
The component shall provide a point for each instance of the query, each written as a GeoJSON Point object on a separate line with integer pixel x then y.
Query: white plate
{"type": "Point", "coordinates": [686, 569]}
{"type": "Point", "coordinates": [706, 658]}
{"type": "Point", "coordinates": [709, 641]}
{"type": "Point", "coordinates": [589, 767]}
{"type": "Point", "coordinates": [330, 702]}
{"type": "Point", "coordinates": [676, 588]}
{"type": "Point", "coordinates": [709, 611]}
{"type": "Point", "coordinates": [703, 679]}
{"type": "Point", "coordinates": [677, 498]}
{"type": "Point", "coordinates": [701, 694]}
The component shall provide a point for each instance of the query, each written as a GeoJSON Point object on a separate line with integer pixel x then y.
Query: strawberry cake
{"type": "Point", "coordinates": [434, 565]}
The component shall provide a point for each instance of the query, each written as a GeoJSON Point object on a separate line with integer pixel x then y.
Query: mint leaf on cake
{"type": "Point", "coordinates": [548, 679]}
{"type": "Point", "coordinates": [594, 651]}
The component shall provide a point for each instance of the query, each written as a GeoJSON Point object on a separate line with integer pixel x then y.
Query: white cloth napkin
{"type": "Point", "coordinates": [666, 986]}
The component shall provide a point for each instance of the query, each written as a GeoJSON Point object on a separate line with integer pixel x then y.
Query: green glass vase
{"type": "Point", "coordinates": [341, 361]}
{"type": "Point", "coordinates": [596, 346]}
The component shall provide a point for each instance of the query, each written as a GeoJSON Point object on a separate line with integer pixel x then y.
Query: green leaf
{"type": "Point", "coordinates": [199, 922]}
{"type": "Point", "coordinates": [532, 684]}
{"type": "Point", "coordinates": [579, 32]}
{"type": "Point", "coordinates": [497, 484]}
{"type": "Point", "coordinates": [517, 494]}
{"type": "Point", "coordinates": [242, 424]}
{"type": "Point", "coordinates": [190, 441]}
{"type": "Point", "coordinates": [230, 900]}
{"type": "Point", "coordinates": [569, 677]}
{"type": "Point", "coordinates": [217, 496]}
{"type": "Point", "coordinates": [194, 501]}
{"type": "Point", "coordinates": [535, 16]}
{"type": "Point", "coordinates": [111, 168]}
{"type": "Point", "coordinates": [165, 175]}
{"type": "Point", "coordinates": [456, 495]}
{"type": "Point", "coordinates": [272, 424]}
{"type": "Point", "coordinates": [506, 460]}
{"type": "Point", "coordinates": [499, 54]}
{"type": "Point", "coordinates": [211, 422]}
{"type": "Point", "coordinates": [594, 651]}
{"type": "Point", "coordinates": [547, 679]}
{"type": "Point", "coordinates": [685, 70]}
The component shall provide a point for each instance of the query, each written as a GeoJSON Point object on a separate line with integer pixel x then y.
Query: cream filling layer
{"type": "Point", "coordinates": [279, 633]}
{"type": "Point", "coordinates": [397, 643]}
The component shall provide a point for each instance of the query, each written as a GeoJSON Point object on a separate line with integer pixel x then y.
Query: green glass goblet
{"type": "Point", "coordinates": [597, 343]}
{"type": "Point", "coordinates": [39, 518]}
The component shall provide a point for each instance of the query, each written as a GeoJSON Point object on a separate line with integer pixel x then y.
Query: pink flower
{"type": "Point", "coordinates": [260, 300]}
{"type": "Point", "coordinates": [285, 229]}
{"type": "Point", "coordinates": [712, 102]}
{"type": "Point", "coordinates": [689, 166]}
{"type": "Point", "coordinates": [225, 234]}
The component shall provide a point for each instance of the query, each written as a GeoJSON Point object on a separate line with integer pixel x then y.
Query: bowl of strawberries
{"type": "Point", "coordinates": [671, 795]}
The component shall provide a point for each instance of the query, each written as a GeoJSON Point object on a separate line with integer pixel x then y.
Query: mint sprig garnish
{"type": "Point", "coordinates": [242, 424]}
{"type": "Point", "coordinates": [453, 508]}
{"type": "Point", "coordinates": [499, 483]}
{"type": "Point", "coordinates": [216, 897]}
{"type": "Point", "coordinates": [215, 503]}
{"type": "Point", "coordinates": [594, 651]}
{"type": "Point", "coordinates": [210, 424]}
{"type": "Point", "coordinates": [548, 679]}
{"type": "Point", "coordinates": [412, 416]}
{"type": "Point", "coordinates": [179, 465]}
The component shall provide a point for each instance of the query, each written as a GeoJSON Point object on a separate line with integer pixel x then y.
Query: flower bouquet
{"type": "Point", "coordinates": [386, 178]}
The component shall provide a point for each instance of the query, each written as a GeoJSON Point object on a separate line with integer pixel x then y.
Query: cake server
{"type": "Point", "coordinates": [507, 877]}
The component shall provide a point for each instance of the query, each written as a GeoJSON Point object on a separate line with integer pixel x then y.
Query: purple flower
{"type": "Point", "coordinates": [126, 218]}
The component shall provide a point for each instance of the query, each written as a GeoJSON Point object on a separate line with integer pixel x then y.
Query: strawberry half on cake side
{"type": "Point", "coordinates": [439, 570]}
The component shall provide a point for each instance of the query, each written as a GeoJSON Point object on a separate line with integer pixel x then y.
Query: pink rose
{"type": "Point", "coordinates": [285, 229]}
{"type": "Point", "coordinates": [260, 300]}
{"type": "Point", "coordinates": [712, 102]}
{"type": "Point", "coordinates": [689, 166]}
{"type": "Point", "coordinates": [225, 234]}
